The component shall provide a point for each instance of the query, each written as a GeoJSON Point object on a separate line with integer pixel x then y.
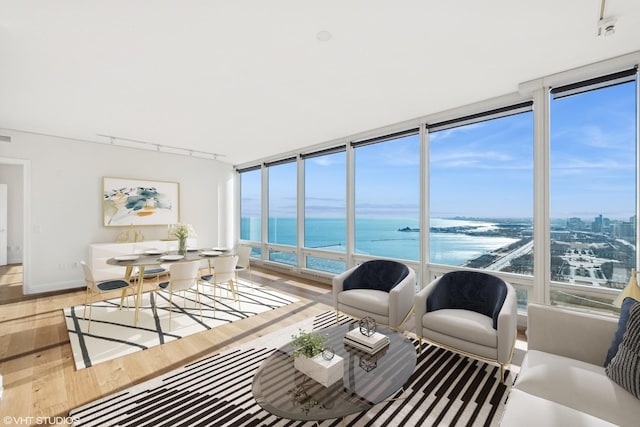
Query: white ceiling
{"type": "Point", "coordinates": [249, 79]}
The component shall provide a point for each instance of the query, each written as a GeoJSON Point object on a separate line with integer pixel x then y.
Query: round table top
{"type": "Point", "coordinates": [368, 379]}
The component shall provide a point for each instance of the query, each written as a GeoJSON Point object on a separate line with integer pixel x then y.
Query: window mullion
{"type": "Point", "coordinates": [541, 209]}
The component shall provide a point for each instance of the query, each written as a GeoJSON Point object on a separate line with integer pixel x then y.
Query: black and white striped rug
{"type": "Point", "coordinates": [113, 333]}
{"type": "Point", "coordinates": [446, 389]}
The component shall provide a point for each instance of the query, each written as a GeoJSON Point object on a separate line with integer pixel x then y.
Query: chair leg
{"type": "Point", "coordinates": [170, 307]}
{"type": "Point", "coordinates": [86, 298]}
{"type": "Point", "coordinates": [199, 302]}
{"type": "Point", "coordinates": [337, 316]}
{"type": "Point", "coordinates": [232, 286]}
{"type": "Point", "coordinates": [90, 313]}
{"type": "Point", "coordinates": [234, 291]}
{"type": "Point", "coordinates": [502, 373]}
{"type": "Point", "coordinates": [250, 278]}
{"type": "Point", "coordinates": [213, 289]}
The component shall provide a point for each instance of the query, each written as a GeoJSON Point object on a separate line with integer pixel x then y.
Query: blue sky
{"type": "Point", "coordinates": [482, 170]}
{"type": "Point", "coordinates": [593, 153]}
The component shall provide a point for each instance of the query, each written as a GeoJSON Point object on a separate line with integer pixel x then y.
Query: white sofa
{"type": "Point", "coordinates": [562, 381]}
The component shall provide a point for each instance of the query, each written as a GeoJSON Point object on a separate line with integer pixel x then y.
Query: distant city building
{"type": "Point", "coordinates": [625, 231]}
{"type": "Point", "coordinates": [596, 226]}
{"type": "Point", "coordinates": [576, 224]}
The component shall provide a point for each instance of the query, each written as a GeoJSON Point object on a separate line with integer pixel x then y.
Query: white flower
{"type": "Point", "coordinates": [182, 231]}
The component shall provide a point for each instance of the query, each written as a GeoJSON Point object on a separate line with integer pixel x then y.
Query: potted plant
{"type": "Point", "coordinates": [313, 357]}
{"type": "Point", "coordinates": [308, 344]}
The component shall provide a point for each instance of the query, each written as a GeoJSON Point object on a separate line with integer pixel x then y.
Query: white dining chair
{"type": "Point", "coordinates": [101, 287]}
{"type": "Point", "coordinates": [224, 272]}
{"type": "Point", "coordinates": [183, 277]}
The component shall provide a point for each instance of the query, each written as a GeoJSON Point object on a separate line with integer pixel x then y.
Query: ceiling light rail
{"type": "Point", "coordinates": [154, 146]}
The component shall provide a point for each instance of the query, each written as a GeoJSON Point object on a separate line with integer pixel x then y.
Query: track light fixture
{"type": "Point", "coordinates": [145, 145]}
{"type": "Point", "coordinates": [606, 26]}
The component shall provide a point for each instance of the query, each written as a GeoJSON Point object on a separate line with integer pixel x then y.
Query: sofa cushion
{"type": "Point", "coordinates": [622, 327]}
{"type": "Point", "coordinates": [524, 410]}
{"type": "Point", "coordinates": [378, 274]}
{"type": "Point", "coordinates": [366, 299]}
{"type": "Point", "coordinates": [463, 324]}
{"type": "Point", "coordinates": [579, 385]}
{"type": "Point", "coordinates": [624, 368]}
{"type": "Point", "coordinates": [469, 290]}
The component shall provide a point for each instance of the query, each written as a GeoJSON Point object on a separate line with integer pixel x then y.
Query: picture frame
{"type": "Point", "coordinates": [138, 202]}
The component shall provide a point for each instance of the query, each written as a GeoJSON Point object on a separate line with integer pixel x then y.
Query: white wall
{"type": "Point", "coordinates": [12, 176]}
{"type": "Point", "coordinates": [66, 200]}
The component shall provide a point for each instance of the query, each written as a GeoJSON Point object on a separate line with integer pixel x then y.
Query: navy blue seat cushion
{"type": "Point", "coordinates": [622, 328]}
{"type": "Point", "coordinates": [378, 274]}
{"type": "Point", "coordinates": [112, 285]}
{"type": "Point", "coordinates": [469, 290]}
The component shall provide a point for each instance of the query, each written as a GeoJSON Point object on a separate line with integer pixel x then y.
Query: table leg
{"type": "Point", "coordinates": [127, 276]}
{"type": "Point", "coordinates": [127, 272]}
{"type": "Point", "coordinates": [139, 296]}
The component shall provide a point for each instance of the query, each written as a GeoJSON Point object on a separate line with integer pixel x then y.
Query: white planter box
{"type": "Point", "coordinates": [326, 372]}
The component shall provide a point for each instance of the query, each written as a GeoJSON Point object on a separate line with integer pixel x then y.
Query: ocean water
{"type": "Point", "coordinates": [378, 237]}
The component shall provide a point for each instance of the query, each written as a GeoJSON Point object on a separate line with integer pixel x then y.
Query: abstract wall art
{"type": "Point", "coordinates": [128, 201]}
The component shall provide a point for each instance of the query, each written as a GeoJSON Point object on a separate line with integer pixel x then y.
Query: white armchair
{"type": "Point", "coordinates": [381, 289]}
{"type": "Point", "coordinates": [471, 313]}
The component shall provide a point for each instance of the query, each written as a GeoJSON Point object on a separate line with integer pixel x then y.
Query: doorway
{"type": "Point", "coordinates": [4, 211]}
{"type": "Point", "coordinates": [21, 177]}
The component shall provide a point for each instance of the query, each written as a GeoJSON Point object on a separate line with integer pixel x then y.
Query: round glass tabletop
{"type": "Point", "coordinates": [368, 379]}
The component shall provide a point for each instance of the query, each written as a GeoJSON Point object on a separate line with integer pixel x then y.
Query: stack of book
{"type": "Point", "coordinates": [370, 344]}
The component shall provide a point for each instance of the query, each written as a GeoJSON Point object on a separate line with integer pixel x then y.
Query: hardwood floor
{"type": "Point", "coordinates": [36, 363]}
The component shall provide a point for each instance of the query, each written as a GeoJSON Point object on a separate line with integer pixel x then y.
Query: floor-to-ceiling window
{"type": "Point", "coordinates": [593, 189]}
{"type": "Point", "coordinates": [251, 204]}
{"type": "Point", "coordinates": [481, 191]}
{"type": "Point", "coordinates": [387, 196]}
{"type": "Point", "coordinates": [282, 211]}
{"type": "Point", "coordinates": [325, 208]}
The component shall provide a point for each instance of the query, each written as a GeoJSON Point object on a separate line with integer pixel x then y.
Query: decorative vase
{"type": "Point", "coordinates": [326, 372]}
{"type": "Point", "coordinates": [182, 249]}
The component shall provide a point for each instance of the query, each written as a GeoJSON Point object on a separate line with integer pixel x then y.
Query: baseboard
{"type": "Point", "coordinates": [55, 287]}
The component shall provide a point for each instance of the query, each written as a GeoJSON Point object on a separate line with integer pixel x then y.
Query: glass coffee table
{"type": "Point", "coordinates": [284, 391]}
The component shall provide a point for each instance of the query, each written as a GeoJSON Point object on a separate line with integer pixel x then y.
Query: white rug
{"type": "Point", "coordinates": [114, 335]}
{"type": "Point", "coordinates": [445, 389]}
